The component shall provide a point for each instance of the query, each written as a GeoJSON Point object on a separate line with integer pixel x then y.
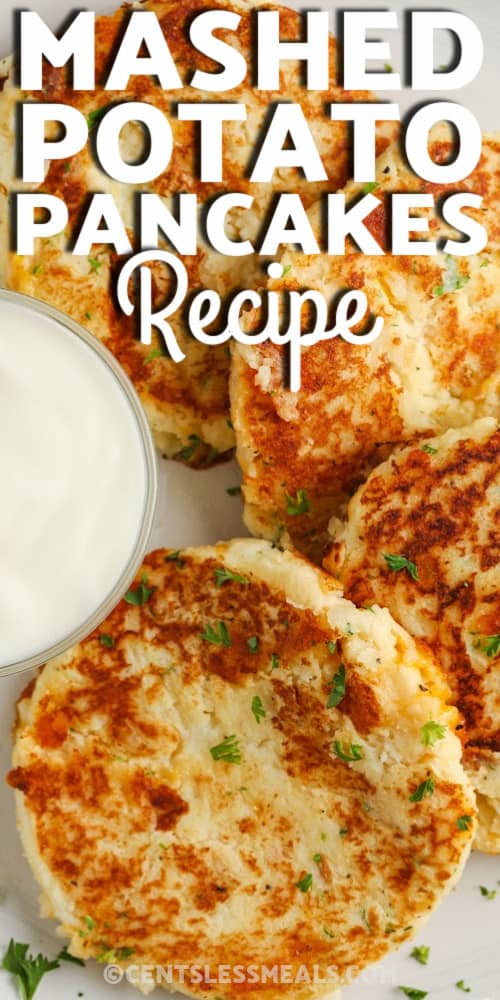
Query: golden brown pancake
{"type": "Point", "coordinates": [437, 505]}
{"type": "Point", "coordinates": [187, 403]}
{"type": "Point", "coordinates": [241, 768]}
{"type": "Point", "coordinates": [434, 366]}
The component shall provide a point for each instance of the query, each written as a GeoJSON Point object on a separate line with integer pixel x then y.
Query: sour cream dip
{"type": "Point", "coordinates": [78, 482]}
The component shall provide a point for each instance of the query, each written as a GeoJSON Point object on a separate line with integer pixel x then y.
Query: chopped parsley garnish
{"type": "Point", "coordinates": [286, 269]}
{"type": "Point", "coordinates": [253, 643]}
{"type": "Point", "coordinates": [157, 352]}
{"type": "Point", "coordinates": [37, 269]}
{"type": "Point", "coordinates": [332, 647]}
{"type": "Point", "coordinates": [89, 922]}
{"type": "Point", "coordinates": [141, 594]}
{"type": "Point", "coordinates": [187, 453]}
{"type": "Point", "coordinates": [424, 790]}
{"type": "Point", "coordinates": [354, 752]}
{"type": "Point", "coordinates": [94, 117]}
{"type": "Point", "coordinates": [492, 645]}
{"type": "Point", "coordinates": [234, 491]}
{"type": "Point", "coordinates": [317, 858]}
{"type": "Point", "coordinates": [298, 505]}
{"type": "Point", "coordinates": [366, 921]}
{"type": "Point", "coordinates": [453, 281]}
{"type": "Point", "coordinates": [343, 832]}
{"type": "Point", "coordinates": [275, 661]}
{"type": "Point", "coordinates": [397, 563]}
{"type": "Point", "coordinates": [412, 993]}
{"type": "Point", "coordinates": [227, 751]}
{"type": "Point", "coordinates": [431, 733]}
{"type": "Point", "coordinates": [461, 986]}
{"type": "Point", "coordinates": [429, 449]}
{"type": "Point", "coordinates": [175, 557]}
{"type": "Point", "coordinates": [337, 693]}
{"type": "Point", "coordinates": [224, 576]}
{"type": "Point", "coordinates": [258, 709]}
{"type": "Point", "coordinates": [421, 954]}
{"type": "Point", "coordinates": [27, 969]}
{"type": "Point", "coordinates": [88, 315]}
{"type": "Point", "coordinates": [95, 264]}
{"type": "Point", "coordinates": [66, 956]}
{"type": "Point", "coordinates": [370, 186]}
{"type": "Point", "coordinates": [107, 641]}
{"type": "Point", "coordinates": [305, 883]}
{"type": "Point", "coordinates": [487, 893]}
{"type": "Point", "coordinates": [217, 634]}
{"type": "Point", "coordinates": [464, 822]}
{"type": "Point", "coordinates": [327, 932]}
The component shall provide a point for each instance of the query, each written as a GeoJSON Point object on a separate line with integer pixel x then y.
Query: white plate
{"type": "Point", "coordinates": [464, 934]}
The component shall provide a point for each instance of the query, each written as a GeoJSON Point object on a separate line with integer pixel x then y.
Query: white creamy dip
{"type": "Point", "coordinates": [72, 483]}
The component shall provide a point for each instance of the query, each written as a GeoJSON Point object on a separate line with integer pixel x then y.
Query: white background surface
{"type": "Point", "coordinates": [464, 934]}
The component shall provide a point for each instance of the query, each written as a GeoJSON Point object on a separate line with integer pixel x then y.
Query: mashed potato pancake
{"type": "Point", "coordinates": [435, 365]}
{"type": "Point", "coordinates": [423, 539]}
{"type": "Point", "coordinates": [235, 769]}
{"type": "Point", "coordinates": [187, 403]}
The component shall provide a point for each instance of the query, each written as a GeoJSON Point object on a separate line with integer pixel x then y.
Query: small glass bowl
{"type": "Point", "coordinates": [140, 544]}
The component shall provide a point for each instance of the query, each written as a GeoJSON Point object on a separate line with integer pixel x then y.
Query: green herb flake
{"type": "Point", "coordinates": [227, 751]}
{"type": "Point", "coordinates": [186, 454]}
{"type": "Point", "coordinates": [354, 752]}
{"type": "Point", "coordinates": [429, 450]}
{"type": "Point", "coordinates": [124, 953]}
{"type": "Point", "coordinates": [424, 790]}
{"type": "Point", "coordinates": [234, 491]}
{"type": "Point", "coordinates": [275, 661]}
{"type": "Point", "coordinates": [217, 634]}
{"type": "Point", "coordinates": [66, 956]}
{"type": "Point", "coordinates": [491, 646]}
{"type": "Point", "coordinates": [412, 993]}
{"type": "Point", "coordinates": [487, 893]}
{"type": "Point", "coordinates": [157, 352]}
{"type": "Point", "coordinates": [141, 595]}
{"type": "Point", "coordinates": [253, 644]}
{"type": "Point", "coordinates": [298, 505]}
{"type": "Point", "coordinates": [343, 832]}
{"type": "Point", "coordinates": [327, 932]}
{"type": "Point", "coordinates": [107, 641]}
{"type": "Point", "coordinates": [175, 557]}
{"type": "Point", "coordinates": [305, 883]}
{"type": "Point", "coordinates": [388, 68]}
{"type": "Point", "coordinates": [317, 858]}
{"type": "Point", "coordinates": [331, 647]}
{"type": "Point", "coordinates": [94, 117]}
{"type": "Point", "coordinates": [371, 186]}
{"type": "Point", "coordinates": [258, 709]}
{"type": "Point", "coordinates": [37, 269]}
{"type": "Point", "coordinates": [223, 576]}
{"type": "Point", "coordinates": [95, 264]}
{"type": "Point", "coordinates": [397, 563]}
{"type": "Point", "coordinates": [421, 954]}
{"type": "Point", "coordinates": [453, 281]}
{"type": "Point", "coordinates": [88, 315]}
{"type": "Point", "coordinates": [461, 986]}
{"type": "Point", "coordinates": [286, 269]}
{"type": "Point", "coordinates": [431, 733]}
{"type": "Point", "coordinates": [27, 969]}
{"type": "Point", "coordinates": [337, 692]}
{"type": "Point", "coordinates": [464, 822]}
